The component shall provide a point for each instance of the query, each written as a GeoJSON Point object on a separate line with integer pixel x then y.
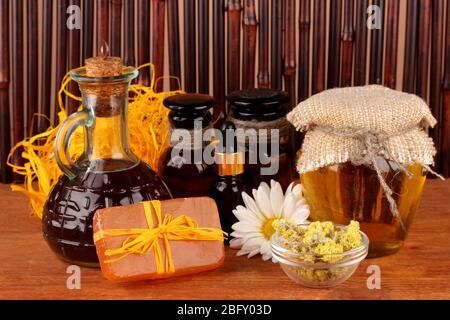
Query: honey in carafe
{"type": "Point", "coordinates": [107, 174]}
{"type": "Point", "coordinates": [67, 221]}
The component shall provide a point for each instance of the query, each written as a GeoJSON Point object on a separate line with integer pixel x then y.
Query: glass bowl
{"type": "Point", "coordinates": [318, 271]}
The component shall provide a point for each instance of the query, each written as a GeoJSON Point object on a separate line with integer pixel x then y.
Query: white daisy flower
{"type": "Point", "coordinates": [253, 231]}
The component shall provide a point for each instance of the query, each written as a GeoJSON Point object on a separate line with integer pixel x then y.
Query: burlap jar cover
{"type": "Point", "coordinates": [359, 124]}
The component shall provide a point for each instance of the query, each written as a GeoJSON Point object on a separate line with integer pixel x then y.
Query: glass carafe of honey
{"type": "Point", "coordinates": [107, 174]}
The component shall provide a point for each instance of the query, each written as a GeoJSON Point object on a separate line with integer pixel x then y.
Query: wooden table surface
{"type": "Point", "coordinates": [421, 270]}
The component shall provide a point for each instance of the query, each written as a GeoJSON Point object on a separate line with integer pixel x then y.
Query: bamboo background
{"type": "Point", "coordinates": [217, 46]}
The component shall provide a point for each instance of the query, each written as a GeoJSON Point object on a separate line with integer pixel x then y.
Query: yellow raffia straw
{"type": "Point", "coordinates": [148, 127]}
{"type": "Point", "coordinates": [167, 228]}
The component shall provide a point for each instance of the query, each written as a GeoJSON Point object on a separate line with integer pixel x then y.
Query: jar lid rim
{"type": "Point", "coordinates": [79, 75]}
{"type": "Point", "coordinates": [189, 102]}
{"type": "Point", "coordinates": [258, 96]}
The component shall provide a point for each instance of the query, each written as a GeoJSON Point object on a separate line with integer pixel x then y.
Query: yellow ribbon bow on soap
{"type": "Point", "coordinates": [141, 241]}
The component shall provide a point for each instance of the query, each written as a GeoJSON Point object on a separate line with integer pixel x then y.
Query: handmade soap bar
{"type": "Point", "coordinates": [112, 228]}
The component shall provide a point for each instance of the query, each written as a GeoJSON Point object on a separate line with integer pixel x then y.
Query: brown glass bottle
{"type": "Point", "coordinates": [230, 180]}
{"type": "Point", "coordinates": [107, 174]}
{"type": "Point", "coordinates": [182, 165]}
{"type": "Point", "coordinates": [256, 110]}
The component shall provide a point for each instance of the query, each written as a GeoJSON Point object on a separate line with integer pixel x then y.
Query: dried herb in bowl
{"type": "Point", "coordinates": [320, 254]}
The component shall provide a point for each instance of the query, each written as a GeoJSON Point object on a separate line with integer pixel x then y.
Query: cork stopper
{"type": "Point", "coordinates": [110, 97]}
{"type": "Point", "coordinates": [104, 65]}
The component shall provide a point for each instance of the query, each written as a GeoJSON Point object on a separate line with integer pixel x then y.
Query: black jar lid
{"type": "Point", "coordinates": [260, 104]}
{"type": "Point", "coordinates": [186, 109]}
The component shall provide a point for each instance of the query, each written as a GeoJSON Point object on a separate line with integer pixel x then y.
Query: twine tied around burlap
{"type": "Point", "coordinates": [372, 144]}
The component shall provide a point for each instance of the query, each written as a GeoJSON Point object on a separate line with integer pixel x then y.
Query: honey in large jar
{"type": "Point", "coordinates": [344, 192]}
{"type": "Point", "coordinates": [365, 157]}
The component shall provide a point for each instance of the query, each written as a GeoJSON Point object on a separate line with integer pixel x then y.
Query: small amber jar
{"type": "Point", "coordinates": [183, 166]}
{"type": "Point", "coordinates": [344, 192]}
{"type": "Point", "coordinates": [260, 111]}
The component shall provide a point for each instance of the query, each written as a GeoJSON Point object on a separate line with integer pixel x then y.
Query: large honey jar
{"type": "Point", "coordinates": [365, 157]}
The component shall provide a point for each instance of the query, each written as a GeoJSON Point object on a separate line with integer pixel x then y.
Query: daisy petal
{"type": "Point", "coordinates": [265, 186]}
{"type": "Point", "coordinates": [263, 200]}
{"type": "Point", "coordinates": [266, 257]}
{"type": "Point", "coordinates": [301, 202]}
{"type": "Point", "coordinates": [252, 244]}
{"type": "Point", "coordinates": [253, 253]}
{"type": "Point", "coordinates": [297, 190]}
{"type": "Point", "coordinates": [246, 235]}
{"type": "Point", "coordinates": [254, 193]}
{"type": "Point", "coordinates": [244, 226]}
{"type": "Point", "coordinates": [265, 248]}
{"type": "Point", "coordinates": [242, 253]}
{"type": "Point", "coordinates": [236, 243]}
{"type": "Point", "coordinates": [289, 189]}
{"type": "Point", "coordinates": [251, 205]}
{"type": "Point", "coordinates": [300, 216]}
{"type": "Point", "coordinates": [289, 205]}
{"type": "Point", "coordinates": [243, 214]}
{"type": "Point", "coordinates": [276, 198]}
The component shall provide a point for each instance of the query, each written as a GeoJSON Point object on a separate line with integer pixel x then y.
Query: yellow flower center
{"type": "Point", "coordinates": [267, 229]}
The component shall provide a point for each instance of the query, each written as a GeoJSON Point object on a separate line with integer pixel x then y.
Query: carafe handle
{"type": "Point", "coordinates": [62, 142]}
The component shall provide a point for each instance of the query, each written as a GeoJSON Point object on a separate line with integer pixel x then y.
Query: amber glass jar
{"type": "Point", "coordinates": [256, 110]}
{"type": "Point", "coordinates": [183, 166]}
{"type": "Point", "coordinates": [344, 192]}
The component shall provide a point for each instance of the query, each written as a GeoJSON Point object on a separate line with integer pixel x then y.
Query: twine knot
{"type": "Point", "coordinates": [371, 145]}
